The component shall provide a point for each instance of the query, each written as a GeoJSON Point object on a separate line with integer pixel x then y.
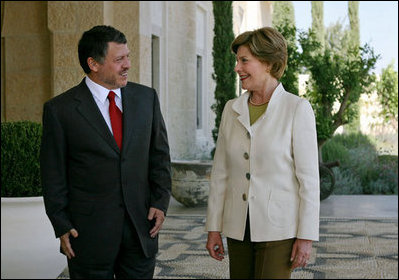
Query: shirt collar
{"type": "Point", "coordinates": [100, 92]}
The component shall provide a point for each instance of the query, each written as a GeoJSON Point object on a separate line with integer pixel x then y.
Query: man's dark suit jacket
{"type": "Point", "coordinates": [89, 185]}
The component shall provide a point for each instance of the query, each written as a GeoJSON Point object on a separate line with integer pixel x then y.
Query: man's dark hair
{"type": "Point", "coordinates": [94, 43]}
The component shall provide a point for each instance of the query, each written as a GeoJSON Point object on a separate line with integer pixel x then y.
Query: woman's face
{"type": "Point", "coordinates": [253, 73]}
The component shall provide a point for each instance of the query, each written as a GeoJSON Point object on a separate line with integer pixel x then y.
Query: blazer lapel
{"type": "Point", "coordinates": [241, 107]}
{"type": "Point", "coordinates": [89, 110]}
{"type": "Point", "coordinates": [275, 100]}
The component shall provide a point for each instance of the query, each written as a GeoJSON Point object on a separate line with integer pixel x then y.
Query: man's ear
{"type": "Point", "coordinates": [92, 64]}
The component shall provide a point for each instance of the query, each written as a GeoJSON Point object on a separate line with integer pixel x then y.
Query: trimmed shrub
{"type": "Point", "coordinates": [20, 165]}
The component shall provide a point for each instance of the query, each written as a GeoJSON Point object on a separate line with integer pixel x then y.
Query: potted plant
{"type": "Point", "coordinates": [27, 237]}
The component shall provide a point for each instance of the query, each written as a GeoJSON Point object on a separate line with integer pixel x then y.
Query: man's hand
{"type": "Point", "coordinates": [300, 253]}
{"type": "Point", "coordinates": [66, 244]}
{"type": "Point", "coordinates": [159, 217]}
{"type": "Point", "coordinates": [215, 245]}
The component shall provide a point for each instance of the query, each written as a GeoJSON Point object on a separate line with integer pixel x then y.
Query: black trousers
{"type": "Point", "coordinates": [130, 263]}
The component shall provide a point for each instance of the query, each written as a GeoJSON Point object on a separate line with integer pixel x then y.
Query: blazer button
{"type": "Point", "coordinates": [246, 156]}
{"type": "Point", "coordinates": [248, 176]}
{"type": "Point", "coordinates": [249, 135]}
{"type": "Point", "coordinates": [244, 197]}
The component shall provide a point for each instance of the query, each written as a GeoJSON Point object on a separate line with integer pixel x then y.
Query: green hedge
{"type": "Point", "coordinates": [20, 165]}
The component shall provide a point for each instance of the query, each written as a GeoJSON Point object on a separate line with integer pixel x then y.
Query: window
{"type": "Point", "coordinates": [199, 91]}
{"type": "Point", "coordinates": [201, 48]}
{"type": "Point", "coordinates": [155, 63]}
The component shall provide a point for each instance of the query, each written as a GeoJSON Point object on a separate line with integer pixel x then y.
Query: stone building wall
{"type": "Point", "coordinates": [40, 59]}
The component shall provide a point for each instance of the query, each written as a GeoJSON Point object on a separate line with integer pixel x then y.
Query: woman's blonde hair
{"type": "Point", "coordinates": [267, 45]}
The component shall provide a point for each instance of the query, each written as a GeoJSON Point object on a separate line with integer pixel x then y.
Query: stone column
{"type": "Point", "coordinates": [182, 78]}
{"type": "Point", "coordinates": [25, 61]}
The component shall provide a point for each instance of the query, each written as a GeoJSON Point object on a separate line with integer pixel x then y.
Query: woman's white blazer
{"type": "Point", "coordinates": [269, 169]}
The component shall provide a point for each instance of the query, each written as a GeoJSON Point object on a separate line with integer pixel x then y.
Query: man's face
{"type": "Point", "coordinates": [112, 73]}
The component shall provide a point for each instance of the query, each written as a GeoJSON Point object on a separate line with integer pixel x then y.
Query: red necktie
{"type": "Point", "coordinates": [116, 119]}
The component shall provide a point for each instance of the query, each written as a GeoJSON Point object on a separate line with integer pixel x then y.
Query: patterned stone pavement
{"type": "Point", "coordinates": [349, 248]}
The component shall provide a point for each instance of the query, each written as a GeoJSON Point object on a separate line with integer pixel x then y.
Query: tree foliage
{"type": "Point", "coordinates": [223, 60]}
{"type": "Point", "coordinates": [318, 21]}
{"type": "Point", "coordinates": [284, 22]}
{"type": "Point", "coordinates": [337, 80]}
{"type": "Point", "coordinates": [283, 13]}
{"type": "Point", "coordinates": [387, 89]}
{"type": "Point", "coordinates": [337, 38]}
{"type": "Point", "coordinates": [353, 13]}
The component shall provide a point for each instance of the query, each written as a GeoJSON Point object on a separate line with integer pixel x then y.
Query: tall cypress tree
{"type": "Point", "coordinates": [283, 13]}
{"type": "Point", "coordinates": [223, 60]}
{"type": "Point", "coordinates": [318, 21]}
{"type": "Point", "coordinates": [284, 22]}
{"type": "Point", "coordinates": [353, 13]}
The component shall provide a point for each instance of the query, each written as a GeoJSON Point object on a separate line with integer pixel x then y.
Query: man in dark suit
{"type": "Point", "coordinates": [106, 182]}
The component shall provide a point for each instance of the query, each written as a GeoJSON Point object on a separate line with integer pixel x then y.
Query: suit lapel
{"type": "Point", "coordinates": [90, 112]}
{"type": "Point", "coordinates": [130, 105]}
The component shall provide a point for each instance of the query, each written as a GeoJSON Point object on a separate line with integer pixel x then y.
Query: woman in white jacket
{"type": "Point", "coordinates": [264, 194]}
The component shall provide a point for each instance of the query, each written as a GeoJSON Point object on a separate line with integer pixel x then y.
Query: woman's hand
{"type": "Point", "coordinates": [300, 253]}
{"type": "Point", "coordinates": [215, 245]}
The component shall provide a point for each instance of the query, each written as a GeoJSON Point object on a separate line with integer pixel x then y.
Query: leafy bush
{"type": "Point", "coordinates": [353, 140]}
{"type": "Point", "coordinates": [362, 170]}
{"type": "Point", "coordinates": [386, 168]}
{"type": "Point", "coordinates": [334, 150]}
{"type": "Point", "coordinates": [20, 165]}
{"type": "Point", "coordinates": [346, 182]}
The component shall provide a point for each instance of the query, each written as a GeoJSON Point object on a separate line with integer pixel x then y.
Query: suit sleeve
{"type": "Point", "coordinates": [53, 172]}
{"type": "Point", "coordinates": [159, 167]}
{"type": "Point", "coordinates": [307, 170]}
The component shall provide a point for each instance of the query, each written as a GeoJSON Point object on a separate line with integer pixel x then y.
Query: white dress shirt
{"type": "Point", "coordinates": [100, 95]}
